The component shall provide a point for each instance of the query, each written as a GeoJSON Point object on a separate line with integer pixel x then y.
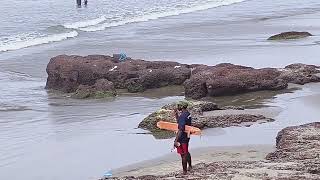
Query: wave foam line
{"type": "Point", "coordinates": [160, 15]}
{"type": "Point", "coordinates": [21, 43]}
{"type": "Point", "coordinates": [87, 23]}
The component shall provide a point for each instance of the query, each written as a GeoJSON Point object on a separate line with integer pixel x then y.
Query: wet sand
{"type": "Point", "coordinates": [172, 163]}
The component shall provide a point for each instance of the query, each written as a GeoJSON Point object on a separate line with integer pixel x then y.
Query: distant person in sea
{"type": "Point", "coordinates": [182, 139]}
{"type": "Point", "coordinates": [85, 2]}
{"type": "Point", "coordinates": [78, 3]}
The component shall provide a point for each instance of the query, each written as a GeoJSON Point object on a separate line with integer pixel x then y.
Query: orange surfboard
{"type": "Point", "coordinates": [174, 127]}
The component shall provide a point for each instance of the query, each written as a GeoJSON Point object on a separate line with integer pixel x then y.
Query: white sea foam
{"type": "Point", "coordinates": [103, 22]}
{"type": "Point", "coordinates": [87, 23]}
{"type": "Point", "coordinates": [154, 16]}
{"type": "Point", "coordinates": [23, 41]}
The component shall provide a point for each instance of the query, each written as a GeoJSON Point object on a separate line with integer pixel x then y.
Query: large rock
{"type": "Point", "coordinates": [67, 73]}
{"type": "Point", "coordinates": [300, 73]}
{"type": "Point", "coordinates": [298, 143]}
{"type": "Point", "coordinates": [290, 35]}
{"type": "Point", "coordinates": [229, 79]}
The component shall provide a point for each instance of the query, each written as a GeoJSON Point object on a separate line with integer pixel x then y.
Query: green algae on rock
{"type": "Point", "coordinates": [101, 89]}
{"type": "Point", "coordinates": [199, 119]}
{"type": "Point", "coordinates": [167, 113]}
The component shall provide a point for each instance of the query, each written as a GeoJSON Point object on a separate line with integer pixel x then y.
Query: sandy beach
{"type": "Point", "coordinates": [172, 162]}
{"type": "Point", "coordinates": [296, 156]}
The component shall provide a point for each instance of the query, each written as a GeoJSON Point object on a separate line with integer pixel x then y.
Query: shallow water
{"type": "Point", "coordinates": [44, 135]}
{"type": "Point", "coordinates": [31, 23]}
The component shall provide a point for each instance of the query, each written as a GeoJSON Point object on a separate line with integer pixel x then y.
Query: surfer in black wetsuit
{"type": "Point", "coordinates": [182, 139]}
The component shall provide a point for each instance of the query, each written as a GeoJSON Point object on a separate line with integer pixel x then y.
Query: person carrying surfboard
{"type": "Point", "coordinates": [182, 139]}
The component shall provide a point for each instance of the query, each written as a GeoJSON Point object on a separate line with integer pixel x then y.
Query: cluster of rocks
{"type": "Point", "coordinates": [88, 74]}
{"type": "Point", "coordinates": [296, 158]}
{"type": "Point", "coordinates": [299, 144]}
{"type": "Point", "coordinates": [228, 79]}
{"type": "Point", "coordinates": [197, 109]}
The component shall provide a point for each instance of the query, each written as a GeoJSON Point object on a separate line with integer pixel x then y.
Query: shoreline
{"type": "Point", "coordinates": [296, 156]}
{"type": "Point", "coordinates": [171, 162]}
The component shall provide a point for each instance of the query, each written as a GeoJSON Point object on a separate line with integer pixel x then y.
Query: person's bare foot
{"type": "Point", "coordinates": [189, 168]}
{"type": "Point", "coordinates": [185, 172]}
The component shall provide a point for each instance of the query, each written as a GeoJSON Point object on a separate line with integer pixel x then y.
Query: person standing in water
{"type": "Point", "coordinates": [85, 2]}
{"type": "Point", "coordinates": [182, 139]}
{"type": "Point", "coordinates": [78, 3]}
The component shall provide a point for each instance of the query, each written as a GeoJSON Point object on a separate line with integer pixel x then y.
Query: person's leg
{"type": "Point", "coordinates": [189, 161]}
{"type": "Point", "coordinates": [188, 156]}
{"type": "Point", "coordinates": [184, 163]}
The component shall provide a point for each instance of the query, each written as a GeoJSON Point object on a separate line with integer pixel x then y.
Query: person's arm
{"type": "Point", "coordinates": [178, 135]}
{"type": "Point", "coordinates": [176, 114]}
{"type": "Point", "coordinates": [181, 129]}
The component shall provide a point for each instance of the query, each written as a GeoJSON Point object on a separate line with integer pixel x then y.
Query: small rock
{"type": "Point", "coordinates": [290, 35]}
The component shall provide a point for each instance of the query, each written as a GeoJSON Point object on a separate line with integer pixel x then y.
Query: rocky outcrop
{"type": "Point", "coordinates": [166, 113]}
{"type": "Point", "coordinates": [77, 73]}
{"type": "Point", "coordinates": [290, 35]}
{"type": "Point", "coordinates": [223, 121]}
{"type": "Point", "coordinates": [298, 143]}
{"type": "Point", "coordinates": [296, 158]}
{"type": "Point", "coordinates": [229, 79]}
{"type": "Point", "coordinates": [67, 73]}
{"type": "Point", "coordinates": [300, 74]}
{"type": "Point", "coordinates": [197, 109]}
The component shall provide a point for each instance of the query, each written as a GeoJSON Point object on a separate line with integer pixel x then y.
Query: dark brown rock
{"type": "Point", "coordinates": [66, 73]}
{"type": "Point", "coordinates": [290, 35]}
{"type": "Point", "coordinates": [297, 143]}
{"type": "Point", "coordinates": [228, 79]}
{"type": "Point", "coordinates": [300, 74]}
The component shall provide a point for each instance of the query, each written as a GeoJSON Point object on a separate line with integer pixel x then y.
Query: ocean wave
{"type": "Point", "coordinates": [87, 23]}
{"type": "Point", "coordinates": [154, 16]}
{"type": "Point", "coordinates": [8, 108]}
{"type": "Point", "coordinates": [27, 40]}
